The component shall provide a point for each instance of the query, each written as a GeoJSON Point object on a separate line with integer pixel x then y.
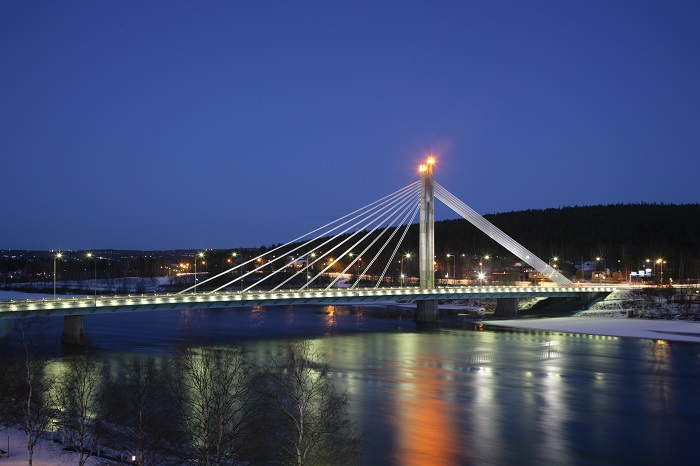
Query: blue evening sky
{"type": "Point", "coordinates": [171, 124]}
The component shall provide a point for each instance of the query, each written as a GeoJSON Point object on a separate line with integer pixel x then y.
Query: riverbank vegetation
{"type": "Point", "coordinates": [207, 405]}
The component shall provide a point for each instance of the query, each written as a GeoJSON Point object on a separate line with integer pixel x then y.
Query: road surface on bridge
{"type": "Point", "coordinates": [152, 302]}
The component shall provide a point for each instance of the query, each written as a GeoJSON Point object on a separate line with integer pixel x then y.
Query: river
{"type": "Point", "coordinates": [466, 395]}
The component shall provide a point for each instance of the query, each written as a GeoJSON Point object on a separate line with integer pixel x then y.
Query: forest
{"type": "Point", "coordinates": [621, 238]}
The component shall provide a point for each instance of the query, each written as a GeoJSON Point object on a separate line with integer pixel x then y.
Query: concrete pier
{"type": "Point", "coordinates": [506, 307]}
{"type": "Point", "coordinates": [73, 332]}
{"type": "Point", "coordinates": [426, 311]}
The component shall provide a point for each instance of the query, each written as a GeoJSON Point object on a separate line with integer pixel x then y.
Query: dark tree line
{"type": "Point", "coordinates": [624, 235]}
{"type": "Point", "coordinates": [206, 405]}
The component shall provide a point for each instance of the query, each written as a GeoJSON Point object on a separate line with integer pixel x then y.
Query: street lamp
{"type": "Point", "coordinates": [89, 255]}
{"type": "Point", "coordinates": [201, 254]}
{"type": "Point", "coordinates": [240, 271]}
{"type": "Point", "coordinates": [232, 260]}
{"type": "Point", "coordinates": [454, 267]}
{"type": "Point", "coordinates": [57, 256]}
{"type": "Point", "coordinates": [309, 267]}
{"type": "Point", "coordinates": [600, 276]}
{"type": "Point", "coordinates": [646, 267]}
{"type": "Point", "coordinates": [661, 263]}
{"type": "Point", "coordinates": [407, 256]}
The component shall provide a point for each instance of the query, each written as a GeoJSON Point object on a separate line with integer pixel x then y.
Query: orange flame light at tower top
{"type": "Point", "coordinates": [424, 166]}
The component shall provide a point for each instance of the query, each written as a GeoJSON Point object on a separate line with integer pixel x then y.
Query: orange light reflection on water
{"type": "Point", "coordinates": [330, 321]}
{"type": "Point", "coordinates": [426, 434]}
{"type": "Point", "coordinates": [257, 316]}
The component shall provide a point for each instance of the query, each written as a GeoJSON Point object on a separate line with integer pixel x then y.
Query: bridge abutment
{"type": "Point", "coordinates": [506, 307]}
{"type": "Point", "coordinates": [73, 331]}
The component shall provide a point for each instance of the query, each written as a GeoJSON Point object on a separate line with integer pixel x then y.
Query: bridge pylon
{"type": "Point", "coordinates": [427, 310]}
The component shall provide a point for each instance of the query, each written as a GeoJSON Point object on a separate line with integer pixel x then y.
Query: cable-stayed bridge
{"type": "Point", "coordinates": [356, 250]}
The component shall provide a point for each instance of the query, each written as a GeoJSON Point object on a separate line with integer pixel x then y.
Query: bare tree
{"type": "Point", "coordinates": [80, 394]}
{"type": "Point", "coordinates": [144, 424]}
{"type": "Point", "coordinates": [9, 370]}
{"type": "Point", "coordinates": [310, 420]}
{"type": "Point", "coordinates": [32, 404]}
{"type": "Point", "coordinates": [210, 391]}
{"type": "Point", "coordinates": [140, 285]}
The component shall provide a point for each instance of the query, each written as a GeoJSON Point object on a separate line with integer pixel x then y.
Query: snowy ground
{"type": "Point", "coordinates": [47, 453]}
{"type": "Point", "coordinates": [5, 294]}
{"type": "Point", "coordinates": [669, 330]}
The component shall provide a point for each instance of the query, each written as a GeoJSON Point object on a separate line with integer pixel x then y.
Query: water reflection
{"type": "Point", "coordinates": [468, 397]}
{"type": "Point", "coordinates": [257, 316]}
{"type": "Point", "coordinates": [426, 434]}
{"type": "Point", "coordinates": [330, 322]}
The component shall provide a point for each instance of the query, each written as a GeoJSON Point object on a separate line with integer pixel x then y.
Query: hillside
{"type": "Point", "coordinates": [628, 233]}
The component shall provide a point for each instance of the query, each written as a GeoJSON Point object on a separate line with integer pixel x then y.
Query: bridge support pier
{"type": "Point", "coordinates": [73, 332]}
{"type": "Point", "coordinates": [506, 307]}
{"type": "Point", "coordinates": [426, 311]}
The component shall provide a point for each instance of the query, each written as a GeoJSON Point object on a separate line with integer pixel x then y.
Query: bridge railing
{"type": "Point", "coordinates": [77, 303]}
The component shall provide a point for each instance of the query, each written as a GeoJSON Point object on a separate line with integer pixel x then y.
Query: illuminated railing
{"type": "Point", "coordinates": [155, 301]}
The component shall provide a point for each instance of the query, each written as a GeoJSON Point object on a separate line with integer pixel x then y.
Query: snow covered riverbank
{"type": "Point", "coordinates": [669, 330]}
{"type": "Point", "coordinates": [46, 453]}
{"type": "Point", "coordinates": [658, 314]}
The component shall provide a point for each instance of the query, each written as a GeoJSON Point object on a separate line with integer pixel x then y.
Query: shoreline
{"type": "Point", "coordinates": [666, 330]}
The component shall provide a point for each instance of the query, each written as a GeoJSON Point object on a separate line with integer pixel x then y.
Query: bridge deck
{"type": "Point", "coordinates": [154, 302]}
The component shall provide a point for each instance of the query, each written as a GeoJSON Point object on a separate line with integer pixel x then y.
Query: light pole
{"type": "Point", "coordinates": [407, 256]}
{"type": "Point", "coordinates": [89, 255]}
{"type": "Point", "coordinates": [646, 266]}
{"type": "Point", "coordinates": [454, 267]}
{"type": "Point", "coordinates": [240, 271]}
{"type": "Point", "coordinates": [309, 269]}
{"type": "Point", "coordinates": [232, 260]}
{"type": "Point", "coordinates": [598, 259]}
{"type": "Point", "coordinates": [200, 254]}
{"type": "Point", "coordinates": [661, 263]}
{"type": "Point", "coordinates": [57, 256]}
